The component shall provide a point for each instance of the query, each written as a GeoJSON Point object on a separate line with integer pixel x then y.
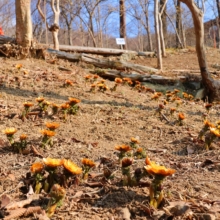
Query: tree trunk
{"type": "Point", "coordinates": [157, 33]}
{"type": "Point", "coordinates": [23, 22]}
{"type": "Point", "coordinates": [164, 20]}
{"type": "Point", "coordinates": [150, 45]}
{"type": "Point", "coordinates": [70, 42]}
{"type": "Point", "coordinates": [178, 24]}
{"type": "Point", "coordinates": [212, 87]}
{"type": "Point", "coordinates": [122, 21]}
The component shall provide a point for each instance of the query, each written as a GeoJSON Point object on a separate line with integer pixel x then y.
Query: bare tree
{"type": "Point", "coordinates": [157, 33]}
{"type": "Point", "coordinates": [122, 20]}
{"type": "Point", "coordinates": [140, 11]}
{"type": "Point", "coordinates": [54, 28]}
{"type": "Point", "coordinates": [212, 87]}
{"type": "Point", "coordinates": [69, 10]}
{"type": "Point", "coordinates": [23, 22]}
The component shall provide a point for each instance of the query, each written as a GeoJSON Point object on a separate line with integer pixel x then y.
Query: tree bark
{"type": "Point", "coordinates": [157, 33]}
{"type": "Point", "coordinates": [122, 21]}
{"type": "Point", "coordinates": [23, 22]}
{"type": "Point", "coordinates": [212, 87]}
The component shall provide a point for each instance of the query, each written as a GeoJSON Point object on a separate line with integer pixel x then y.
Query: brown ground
{"type": "Point", "coordinates": [104, 121]}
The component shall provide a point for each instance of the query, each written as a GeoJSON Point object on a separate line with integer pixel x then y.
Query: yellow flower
{"type": "Point", "coordinates": [52, 125]}
{"type": "Point", "coordinates": [10, 131]}
{"type": "Point", "coordinates": [87, 162]}
{"type": "Point", "coordinates": [123, 148]}
{"type": "Point", "coordinates": [47, 133]}
{"type": "Point", "coordinates": [23, 137]}
{"type": "Point", "coordinates": [155, 169]}
{"type": "Point", "coordinates": [18, 66]}
{"type": "Point", "coordinates": [37, 167]}
{"type": "Point", "coordinates": [72, 167]}
{"type": "Point", "coordinates": [52, 162]}
{"type": "Point", "coordinates": [215, 131]}
{"type": "Point", "coordinates": [135, 140]}
{"type": "Point", "coordinates": [40, 99]}
{"type": "Point", "coordinates": [73, 101]}
{"type": "Point", "coordinates": [28, 104]}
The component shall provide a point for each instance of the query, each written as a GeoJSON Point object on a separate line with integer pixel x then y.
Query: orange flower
{"type": "Point", "coordinates": [155, 169]}
{"type": "Point", "coordinates": [37, 167]}
{"type": "Point", "coordinates": [40, 99]}
{"type": "Point", "coordinates": [123, 148]}
{"type": "Point", "coordinates": [215, 131]}
{"type": "Point", "coordinates": [95, 76]}
{"type": "Point", "coordinates": [47, 133]}
{"type": "Point", "coordinates": [126, 162]}
{"type": "Point", "coordinates": [181, 116]}
{"type": "Point", "coordinates": [93, 85]}
{"type": "Point", "coordinates": [55, 105]}
{"type": "Point", "coordinates": [127, 79]}
{"type": "Point", "coordinates": [161, 106]}
{"type": "Point", "coordinates": [87, 162]}
{"type": "Point", "coordinates": [208, 124]}
{"type": "Point", "coordinates": [175, 91]}
{"type": "Point", "coordinates": [18, 66]}
{"type": "Point", "coordinates": [64, 106]}
{"type": "Point", "coordinates": [52, 162]}
{"type": "Point", "coordinates": [185, 95]}
{"type": "Point", "coordinates": [23, 137]}
{"type": "Point", "coordinates": [68, 82]}
{"type": "Point", "coordinates": [135, 140]}
{"type": "Point", "coordinates": [172, 110]}
{"type": "Point", "coordinates": [28, 104]}
{"type": "Point", "coordinates": [73, 101]}
{"type": "Point", "coordinates": [52, 125]}
{"type": "Point", "coordinates": [10, 131]}
{"type": "Point", "coordinates": [118, 80]}
{"type": "Point", "coordinates": [139, 150]}
{"type": "Point", "coordinates": [208, 106]}
{"type": "Point", "coordinates": [46, 103]}
{"type": "Point", "coordinates": [88, 77]}
{"type": "Point", "coordinates": [72, 167]}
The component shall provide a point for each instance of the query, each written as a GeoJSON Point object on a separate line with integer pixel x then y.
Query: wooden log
{"type": "Point", "coordinates": [101, 51]}
{"type": "Point", "coordinates": [64, 55]}
{"type": "Point", "coordinates": [112, 74]}
{"type": "Point", "coordinates": [5, 40]}
{"type": "Point", "coordinates": [119, 65]}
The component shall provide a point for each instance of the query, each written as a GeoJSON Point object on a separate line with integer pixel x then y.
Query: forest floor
{"type": "Point", "coordinates": [105, 120]}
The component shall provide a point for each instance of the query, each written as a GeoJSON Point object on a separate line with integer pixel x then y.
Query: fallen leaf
{"type": "Point", "coordinates": [5, 200]}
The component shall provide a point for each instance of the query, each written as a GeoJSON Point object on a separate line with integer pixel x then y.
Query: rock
{"type": "Point", "coordinates": [124, 214]}
{"type": "Point", "coordinates": [200, 94]}
{"type": "Point", "coordinates": [205, 216]}
{"type": "Point", "coordinates": [192, 85]}
{"type": "Point", "coordinates": [159, 215]}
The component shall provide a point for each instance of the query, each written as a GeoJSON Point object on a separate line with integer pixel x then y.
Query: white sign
{"type": "Point", "coordinates": [120, 41]}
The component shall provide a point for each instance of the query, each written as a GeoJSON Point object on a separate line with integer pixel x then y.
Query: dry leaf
{"type": "Point", "coordinates": [15, 214]}
{"type": "Point", "coordinates": [20, 204]}
{"type": "Point", "coordinates": [5, 200]}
